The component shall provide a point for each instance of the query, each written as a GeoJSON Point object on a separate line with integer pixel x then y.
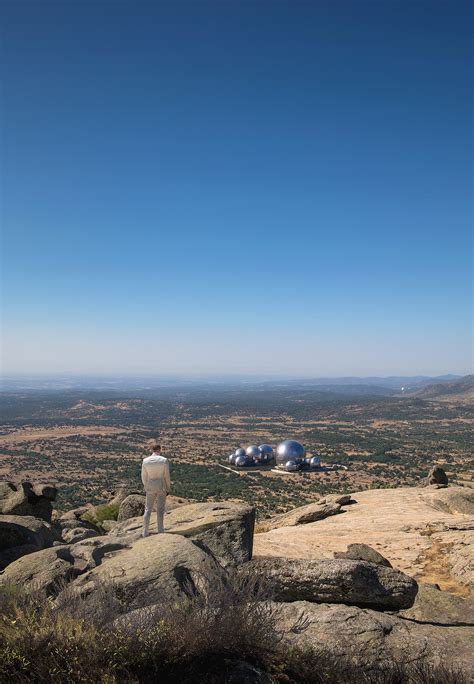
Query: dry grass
{"type": "Point", "coordinates": [231, 625]}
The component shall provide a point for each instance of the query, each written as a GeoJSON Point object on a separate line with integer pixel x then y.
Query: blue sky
{"type": "Point", "coordinates": [236, 187]}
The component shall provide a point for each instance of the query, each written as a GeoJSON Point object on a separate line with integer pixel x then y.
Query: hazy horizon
{"type": "Point", "coordinates": [271, 189]}
{"type": "Point", "coordinates": [220, 376]}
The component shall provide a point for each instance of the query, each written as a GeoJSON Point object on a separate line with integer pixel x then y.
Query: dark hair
{"type": "Point", "coordinates": [156, 447]}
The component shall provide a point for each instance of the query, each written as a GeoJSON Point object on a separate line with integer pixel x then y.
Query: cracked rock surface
{"type": "Point", "coordinates": [352, 582]}
{"type": "Point", "coordinates": [427, 533]}
{"type": "Point", "coordinates": [373, 638]}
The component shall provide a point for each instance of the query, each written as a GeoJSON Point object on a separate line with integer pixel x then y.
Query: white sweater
{"type": "Point", "coordinates": [156, 474]}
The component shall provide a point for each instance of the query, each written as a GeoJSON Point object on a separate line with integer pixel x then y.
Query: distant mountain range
{"type": "Point", "coordinates": [396, 382]}
{"type": "Point", "coordinates": [421, 386]}
{"type": "Point", "coordinates": [461, 387]}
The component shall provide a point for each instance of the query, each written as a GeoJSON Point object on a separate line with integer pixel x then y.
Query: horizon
{"type": "Point", "coordinates": [237, 189]}
{"type": "Point", "coordinates": [221, 378]}
{"type": "Point", "coordinates": [217, 375]}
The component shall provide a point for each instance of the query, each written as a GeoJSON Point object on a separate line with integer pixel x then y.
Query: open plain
{"type": "Point", "coordinates": [91, 442]}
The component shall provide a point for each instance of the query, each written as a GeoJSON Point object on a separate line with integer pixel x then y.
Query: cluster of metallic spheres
{"type": "Point", "coordinates": [290, 454]}
{"type": "Point", "coordinates": [252, 455]}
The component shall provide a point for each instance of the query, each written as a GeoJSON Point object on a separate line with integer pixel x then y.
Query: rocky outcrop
{"type": "Point", "coordinates": [108, 525]}
{"type": "Point", "coordinates": [76, 513]}
{"type": "Point", "coordinates": [351, 582]}
{"type": "Point", "coordinates": [148, 570]}
{"type": "Point", "coordinates": [339, 602]}
{"type": "Point", "coordinates": [453, 500]}
{"type": "Point", "coordinates": [173, 502]}
{"type": "Point", "coordinates": [440, 608]}
{"type": "Point", "coordinates": [74, 530]}
{"type": "Point", "coordinates": [51, 569]}
{"type": "Point", "coordinates": [373, 639]}
{"type": "Point", "coordinates": [226, 528]}
{"type": "Point", "coordinates": [427, 533]}
{"type": "Point", "coordinates": [121, 493]}
{"type": "Point", "coordinates": [71, 528]}
{"type": "Point", "coordinates": [363, 552]}
{"type": "Point", "coordinates": [21, 535]}
{"type": "Point", "coordinates": [27, 499]}
{"type": "Point", "coordinates": [437, 476]}
{"type": "Point", "coordinates": [458, 546]}
{"type": "Point", "coordinates": [141, 571]}
{"type": "Point", "coordinates": [131, 507]}
{"type": "Point", "coordinates": [46, 571]}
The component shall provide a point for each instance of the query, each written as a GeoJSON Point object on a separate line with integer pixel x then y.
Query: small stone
{"type": "Point", "coordinates": [437, 476]}
{"type": "Point", "coordinates": [363, 552]}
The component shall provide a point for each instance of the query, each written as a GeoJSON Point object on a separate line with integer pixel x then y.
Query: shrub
{"type": "Point", "coordinates": [91, 640]}
{"type": "Point", "coordinates": [101, 513]}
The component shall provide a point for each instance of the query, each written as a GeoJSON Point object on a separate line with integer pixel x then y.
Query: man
{"type": "Point", "coordinates": [157, 482]}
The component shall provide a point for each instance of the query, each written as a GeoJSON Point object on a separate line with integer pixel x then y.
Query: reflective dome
{"type": "Point", "coordinates": [315, 462]}
{"type": "Point", "coordinates": [240, 461]}
{"type": "Point", "coordinates": [290, 450]}
{"type": "Point", "coordinates": [266, 449]}
{"type": "Point", "coordinates": [252, 451]}
{"type": "Point", "coordinates": [291, 466]}
{"type": "Point", "coordinates": [232, 459]}
{"type": "Point", "coordinates": [239, 452]}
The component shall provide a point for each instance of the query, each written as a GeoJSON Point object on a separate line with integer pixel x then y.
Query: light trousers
{"type": "Point", "coordinates": [160, 499]}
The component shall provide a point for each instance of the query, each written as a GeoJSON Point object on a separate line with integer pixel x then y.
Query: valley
{"type": "Point", "coordinates": [91, 442]}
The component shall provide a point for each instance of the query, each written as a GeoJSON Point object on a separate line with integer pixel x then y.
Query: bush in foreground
{"type": "Point", "coordinates": [101, 513]}
{"type": "Point", "coordinates": [230, 634]}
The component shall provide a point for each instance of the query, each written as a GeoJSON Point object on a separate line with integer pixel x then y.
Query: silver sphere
{"type": "Point", "coordinates": [239, 452]}
{"type": "Point", "coordinates": [315, 462]}
{"type": "Point", "coordinates": [266, 452]}
{"type": "Point", "coordinates": [241, 461]}
{"type": "Point", "coordinates": [291, 466]}
{"type": "Point", "coordinates": [290, 450]}
{"type": "Point", "coordinates": [232, 459]}
{"type": "Point", "coordinates": [252, 452]}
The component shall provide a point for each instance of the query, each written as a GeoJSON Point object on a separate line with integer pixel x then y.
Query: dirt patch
{"type": "Point", "coordinates": [31, 435]}
{"type": "Point", "coordinates": [436, 568]}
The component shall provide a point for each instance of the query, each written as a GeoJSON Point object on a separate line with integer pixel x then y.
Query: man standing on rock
{"type": "Point", "coordinates": [157, 482]}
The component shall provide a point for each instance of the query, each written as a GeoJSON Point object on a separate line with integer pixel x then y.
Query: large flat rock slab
{"type": "Point", "coordinates": [408, 526]}
{"type": "Point", "coordinates": [374, 639]}
{"type": "Point", "coordinates": [352, 582]}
